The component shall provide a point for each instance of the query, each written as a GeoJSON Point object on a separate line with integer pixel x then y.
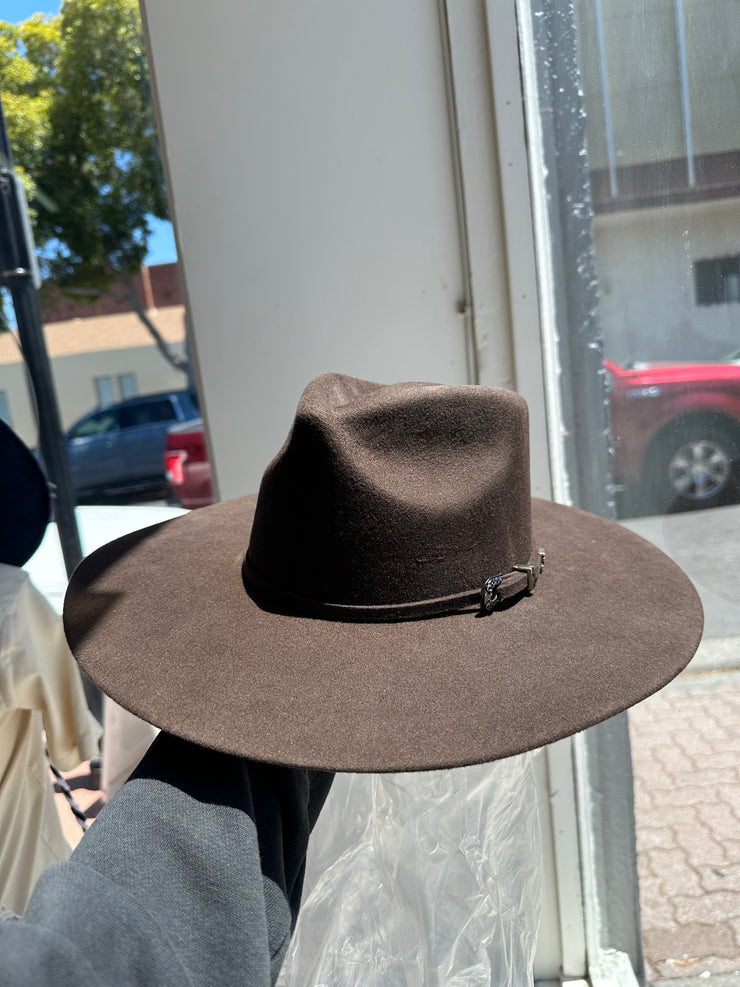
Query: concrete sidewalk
{"type": "Point", "coordinates": [686, 762]}
{"type": "Point", "coordinates": [686, 751]}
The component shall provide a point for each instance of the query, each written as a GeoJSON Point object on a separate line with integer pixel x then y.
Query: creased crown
{"type": "Point", "coordinates": [386, 494]}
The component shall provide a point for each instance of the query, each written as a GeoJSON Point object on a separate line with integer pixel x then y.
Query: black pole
{"type": "Point", "coordinates": [51, 441]}
{"type": "Point", "coordinates": [19, 273]}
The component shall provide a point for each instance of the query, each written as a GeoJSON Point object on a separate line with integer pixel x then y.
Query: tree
{"type": "Point", "coordinates": [78, 105]}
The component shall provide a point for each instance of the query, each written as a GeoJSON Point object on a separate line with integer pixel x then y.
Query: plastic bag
{"type": "Point", "coordinates": [422, 880]}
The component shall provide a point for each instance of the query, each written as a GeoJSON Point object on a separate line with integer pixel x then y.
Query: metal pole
{"type": "Point", "coordinates": [688, 130]}
{"type": "Point", "coordinates": [51, 441]}
{"type": "Point", "coordinates": [19, 273]}
{"type": "Point", "coordinates": [606, 96]}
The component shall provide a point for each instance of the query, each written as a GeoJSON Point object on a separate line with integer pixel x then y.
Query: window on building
{"type": "Point", "coordinates": [105, 390]}
{"type": "Point", "coordinates": [128, 385]}
{"type": "Point", "coordinates": [5, 415]}
{"type": "Point", "coordinates": [717, 280]}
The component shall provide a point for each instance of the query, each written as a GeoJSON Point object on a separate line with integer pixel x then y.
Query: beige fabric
{"type": "Point", "coordinates": [40, 690]}
{"type": "Point", "coordinates": [127, 739]}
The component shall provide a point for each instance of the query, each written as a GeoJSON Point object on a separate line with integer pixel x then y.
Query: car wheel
{"type": "Point", "coordinates": [692, 465]}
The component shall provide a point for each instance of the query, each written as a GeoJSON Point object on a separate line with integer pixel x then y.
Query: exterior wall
{"type": "Point", "coordinates": [74, 372]}
{"type": "Point", "coordinates": [14, 383]}
{"type": "Point", "coordinates": [325, 231]}
{"type": "Point", "coordinates": [74, 376]}
{"type": "Point", "coordinates": [641, 53]}
{"type": "Point", "coordinates": [660, 81]}
{"type": "Point", "coordinates": [648, 299]}
{"type": "Point", "coordinates": [663, 127]}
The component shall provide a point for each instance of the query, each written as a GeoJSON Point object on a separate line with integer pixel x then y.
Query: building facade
{"type": "Point", "coordinates": [660, 86]}
{"type": "Point", "coordinates": [99, 352]}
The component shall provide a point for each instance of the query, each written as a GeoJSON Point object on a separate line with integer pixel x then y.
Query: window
{"type": "Point", "coordinates": [101, 421]}
{"type": "Point", "coordinates": [109, 389]}
{"type": "Point", "coordinates": [148, 413]}
{"type": "Point", "coordinates": [128, 386]}
{"type": "Point", "coordinates": [717, 280]}
{"type": "Point", "coordinates": [5, 415]}
{"type": "Point", "coordinates": [104, 390]}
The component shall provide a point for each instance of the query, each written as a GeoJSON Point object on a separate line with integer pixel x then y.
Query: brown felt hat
{"type": "Point", "coordinates": [384, 604]}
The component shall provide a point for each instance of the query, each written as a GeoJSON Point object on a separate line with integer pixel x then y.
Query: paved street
{"type": "Point", "coordinates": [686, 759]}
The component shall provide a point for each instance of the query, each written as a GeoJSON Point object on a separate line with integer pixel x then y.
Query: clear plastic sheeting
{"type": "Point", "coordinates": [422, 880]}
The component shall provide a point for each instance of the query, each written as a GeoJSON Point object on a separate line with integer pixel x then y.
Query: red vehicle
{"type": "Point", "coordinates": [186, 464]}
{"type": "Point", "coordinates": [676, 433]}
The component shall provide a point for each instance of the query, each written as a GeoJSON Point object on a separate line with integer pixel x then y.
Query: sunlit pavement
{"type": "Point", "coordinates": [686, 757]}
{"type": "Point", "coordinates": [686, 753]}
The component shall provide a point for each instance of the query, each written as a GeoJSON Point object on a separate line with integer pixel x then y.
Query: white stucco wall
{"type": "Point", "coordinates": [74, 379]}
{"type": "Point", "coordinates": [646, 281]}
{"type": "Point", "coordinates": [312, 180]}
{"type": "Point", "coordinates": [642, 66]}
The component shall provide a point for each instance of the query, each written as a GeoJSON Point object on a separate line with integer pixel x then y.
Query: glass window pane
{"type": "Point", "coordinates": [663, 140]}
{"type": "Point", "coordinates": [128, 385]}
{"type": "Point", "coordinates": [160, 410]}
{"type": "Point", "coordinates": [104, 390]}
{"type": "Point", "coordinates": [641, 161]}
{"type": "Point", "coordinates": [102, 421]}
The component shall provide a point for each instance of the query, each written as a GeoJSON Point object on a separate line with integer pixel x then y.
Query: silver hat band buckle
{"type": "Point", "coordinates": [491, 592]}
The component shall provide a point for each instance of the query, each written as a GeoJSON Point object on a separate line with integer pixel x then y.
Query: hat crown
{"type": "Point", "coordinates": [386, 494]}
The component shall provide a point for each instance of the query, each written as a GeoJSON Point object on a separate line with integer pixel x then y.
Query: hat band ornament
{"type": "Point", "coordinates": [490, 594]}
{"type": "Point", "coordinates": [495, 590]}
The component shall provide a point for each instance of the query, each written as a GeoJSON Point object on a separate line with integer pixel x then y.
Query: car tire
{"type": "Point", "coordinates": [691, 465]}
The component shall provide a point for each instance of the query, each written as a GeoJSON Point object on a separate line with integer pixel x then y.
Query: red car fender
{"type": "Point", "coordinates": [642, 405]}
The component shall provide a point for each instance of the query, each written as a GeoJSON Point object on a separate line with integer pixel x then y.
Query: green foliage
{"type": "Point", "coordinates": [28, 54]}
{"type": "Point", "coordinates": [77, 99]}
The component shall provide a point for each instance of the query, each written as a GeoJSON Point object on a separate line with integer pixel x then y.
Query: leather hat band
{"type": "Point", "coordinates": [495, 590]}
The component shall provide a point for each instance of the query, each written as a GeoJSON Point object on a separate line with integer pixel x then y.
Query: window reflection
{"type": "Point", "coordinates": [663, 133]}
{"type": "Point", "coordinates": [662, 121]}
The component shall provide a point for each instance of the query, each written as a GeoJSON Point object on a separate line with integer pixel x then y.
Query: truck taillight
{"type": "Point", "coordinates": [173, 466]}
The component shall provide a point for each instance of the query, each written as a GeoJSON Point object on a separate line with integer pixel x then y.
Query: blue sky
{"type": "Point", "coordinates": [162, 248]}
{"type": "Point", "coordinates": [162, 242]}
{"type": "Point", "coordinates": [19, 10]}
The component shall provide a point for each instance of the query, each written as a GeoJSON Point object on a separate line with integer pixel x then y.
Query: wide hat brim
{"type": "Point", "coordinates": [161, 622]}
